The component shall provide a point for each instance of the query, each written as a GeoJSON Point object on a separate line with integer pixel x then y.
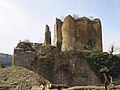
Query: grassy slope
{"type": "Point", "coordinates": [23, 77]}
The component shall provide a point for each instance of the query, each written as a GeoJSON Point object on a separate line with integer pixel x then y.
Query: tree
{"type": "Point", "coordinates": [103, 62]}
{"type": "Point", "coordinates": [3, 65]}
{"type": "Point", "coordinates": [75, 16]}
{"type": "Point", "coordinates": [113, 49]}
{"type": "Point", "coordinates": [91, 18]}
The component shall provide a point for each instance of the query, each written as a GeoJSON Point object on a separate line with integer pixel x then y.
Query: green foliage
{"type": "Point", "coordinates": [118, 55]}
{"type": "Point", "coordinates": [104, 62]}
{"type": "Point", "coordinates": [89, 45]}
{"type": "Point", "coordinates": [2, 65]}
{"type": "Point", "coordinates": [59, 44]}
{"type": "Point", "coordinates": [75, 16]}
{"type": "Point", "coordinates": [47, 46]}
{"type": "Point", "coordinates": [104, 70]}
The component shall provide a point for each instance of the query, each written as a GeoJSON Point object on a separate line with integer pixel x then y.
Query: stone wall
{"type": "Point", "coordinates": [57, 32]}
{"type": "Point", "coordinates": [23, 58]}
{"type": "Point", "coordinates": [79, 34]}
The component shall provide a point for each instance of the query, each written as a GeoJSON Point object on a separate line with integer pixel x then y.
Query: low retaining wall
{"type": "Point", "coordinates": [117, 87]}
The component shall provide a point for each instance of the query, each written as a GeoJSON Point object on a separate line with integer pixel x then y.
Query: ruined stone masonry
{"type": "Point", "coordinates": [58, 67]}
{"type": "Point", "coordinates": [47, 39]}
{"type": "Point", "coordinates": [78, 34]}
{"type": "Point", "coordinates": [69, 68]}
{"type": "Point", "coordinates": [58, 33]}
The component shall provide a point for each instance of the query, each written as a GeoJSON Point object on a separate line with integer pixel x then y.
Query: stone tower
{"type": "Point", "coordinates": [88, 34]}
{"type": "Point", "coordinates": [78, 34]}
{"type": "Point", "coordinates": [58, 33]}
{"type": "Point", "coordinates": [68, 34]}
{"type": "Point", "coordinates": [47, 39]}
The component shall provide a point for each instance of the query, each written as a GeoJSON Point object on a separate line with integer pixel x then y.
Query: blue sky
{"type": "Point", "coordinates": [26, 19]}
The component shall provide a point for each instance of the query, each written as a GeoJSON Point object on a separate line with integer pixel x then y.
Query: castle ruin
{"type": "Point", "coordinates": [78, 34]}
{"type": "Point", "coordinates": [47, 39]}
{"type": "Point", "coordinates": [69, 68]}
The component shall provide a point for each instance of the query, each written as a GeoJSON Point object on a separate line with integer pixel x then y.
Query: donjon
{"type": "Point", "coordinates": [78, 34]}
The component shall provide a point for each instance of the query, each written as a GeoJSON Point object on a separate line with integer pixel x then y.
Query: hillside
{"type": "Point", "coordinates": [20, 77]}
{"type": "Point", "coordinates": [5, 60]}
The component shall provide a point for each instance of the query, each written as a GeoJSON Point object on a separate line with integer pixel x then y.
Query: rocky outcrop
{"type": "Point", "coordinates": [47, 40]}
{"type": "Point", "coordinates": [69, 68]}
{"type": "Point", "coordinates": [79, 34]}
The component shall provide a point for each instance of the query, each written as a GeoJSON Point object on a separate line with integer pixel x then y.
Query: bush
{"type": "Point", "coordinates": [104, 62]}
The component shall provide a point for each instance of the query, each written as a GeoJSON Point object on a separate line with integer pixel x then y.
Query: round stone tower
{"type": "Point", "coordinates": [98, 27]}
{"type": "Point", "coordinates": [68, 34]}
